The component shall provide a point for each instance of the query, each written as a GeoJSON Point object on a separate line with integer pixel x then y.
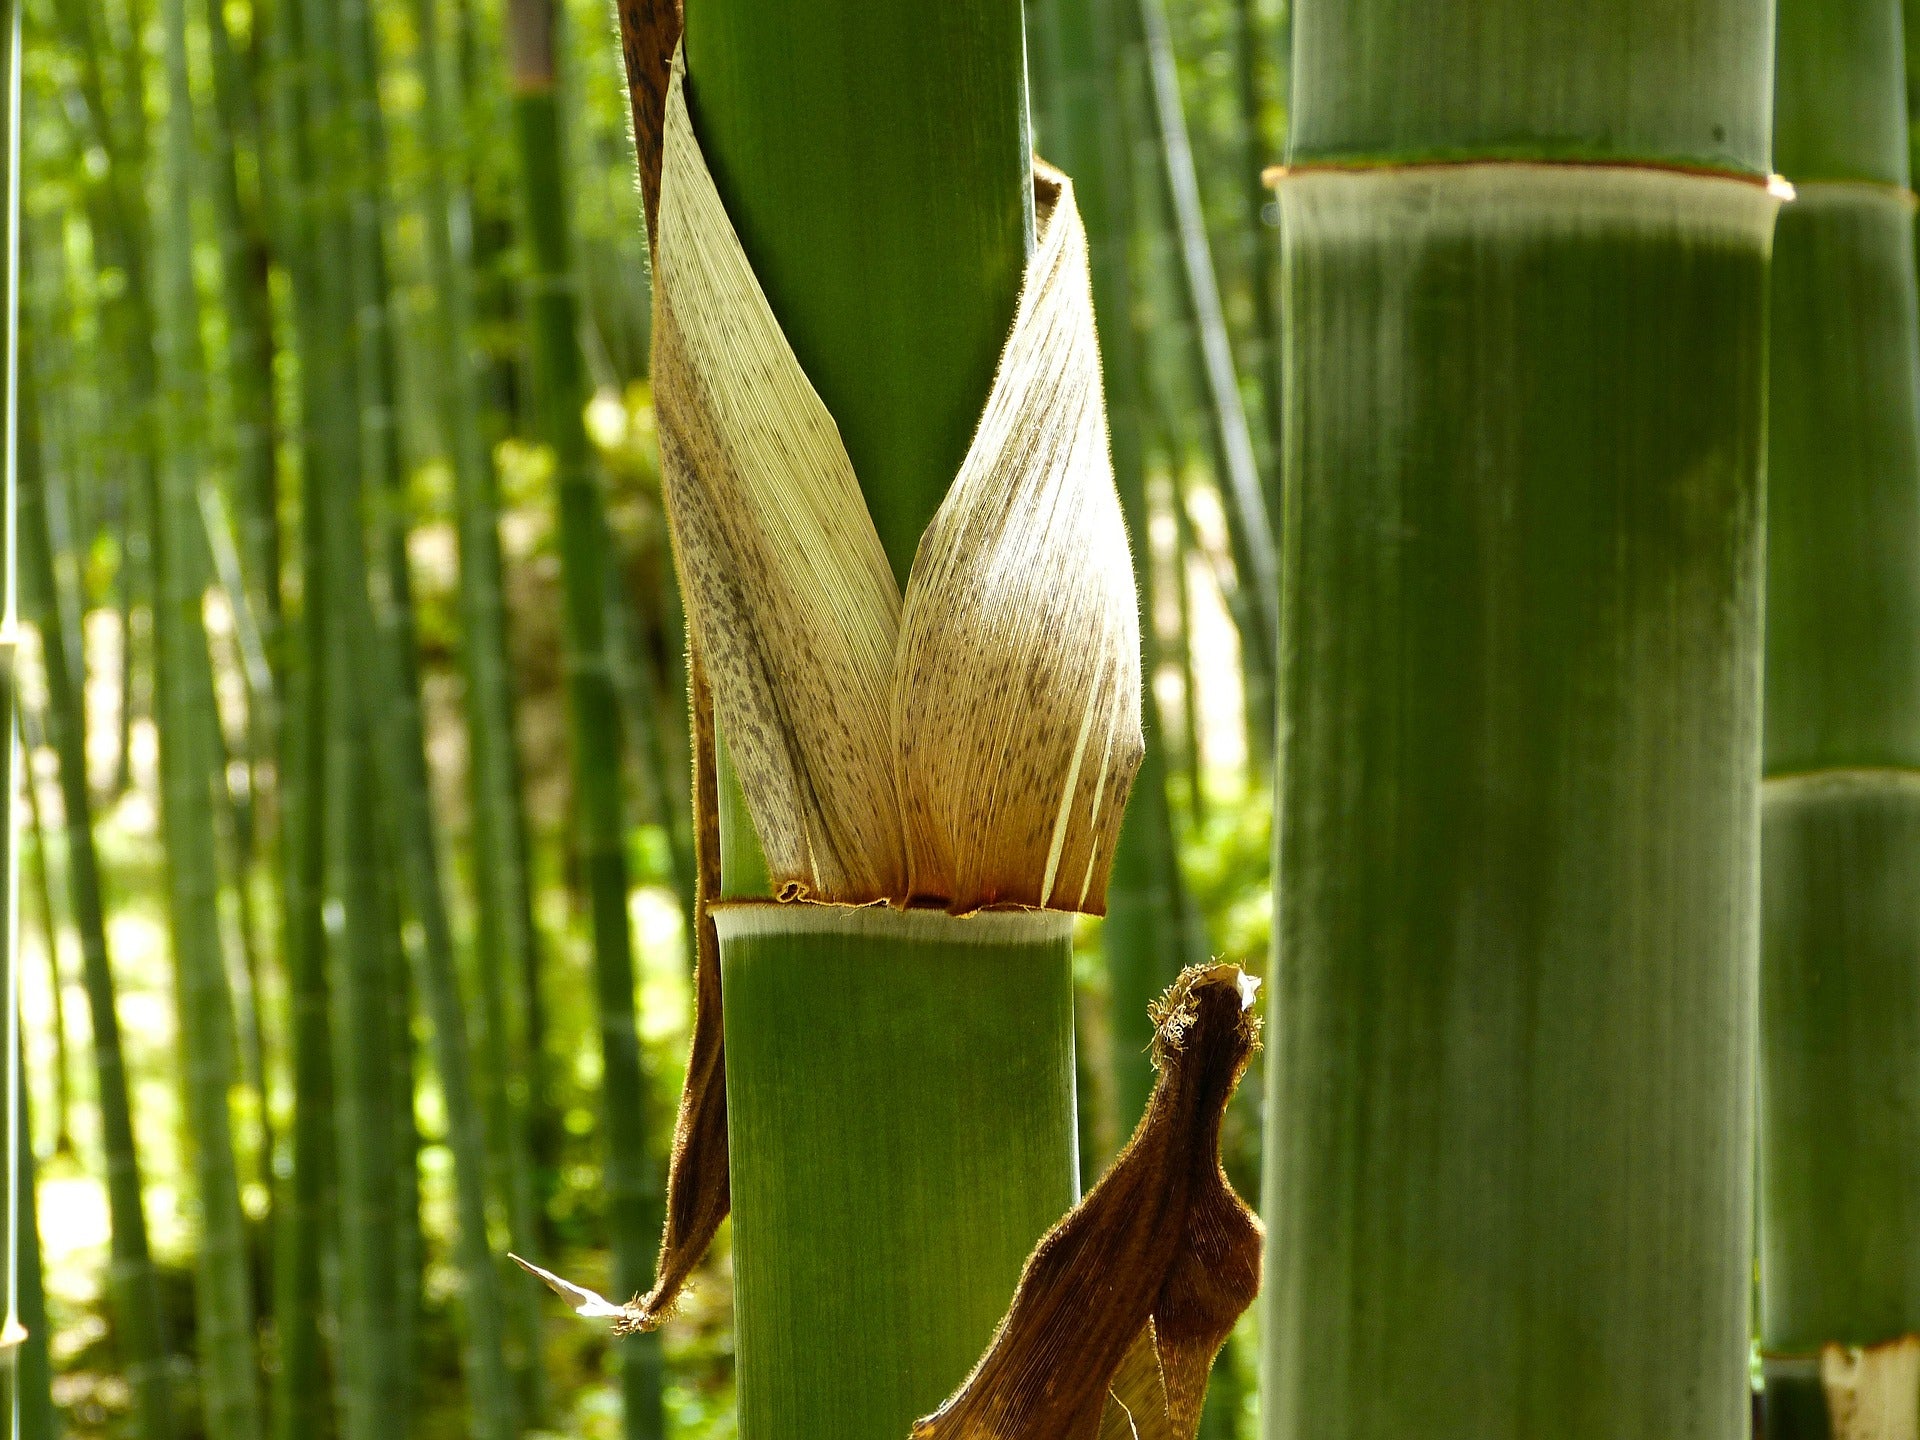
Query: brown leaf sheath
{"type": "Point", "coordinates": [649, 34]}
{"type": "Point", "coordinates": [699, 1192]}
{"type": "Point", "coordinates": [1161, 1248]}
{"type": "Point", "coordinates": [973, 744]}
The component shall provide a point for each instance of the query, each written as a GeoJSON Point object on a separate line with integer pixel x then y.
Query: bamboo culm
{"type": "Point", "coordinates": [1840, 969]}
{"type": "Point", "coordinates": [1508, 1160]}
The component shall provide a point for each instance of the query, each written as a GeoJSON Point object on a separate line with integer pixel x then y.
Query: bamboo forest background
{"type": "Point", "coordinates": [329, 308]}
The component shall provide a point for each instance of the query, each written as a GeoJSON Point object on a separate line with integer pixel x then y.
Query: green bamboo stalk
{"type": "Point", "coordinates": [1508, 1152]}
{"type": "Point", "coordinates": [250, 348]}
{"type": "Point", "coordinates": [371, 1382]}
{"type": "Point", "coordinates": [1186, 545]}
{"type": "Point", "coordinates": [869, 1274]}
{"type": "Point", "coordinates": [27, 1359]}
{"type": "Point", "coordinates": [1233, 440]}
{"type": "Point", "coordinates": [132, 1283]}
{"type": "Point", "coordinates": [401, 742]}
{"type": "Point", "coordinates": [184, 696]}
{"type": "Point", "coordinates": [34, 1367]}
{"type": "Point", "coordinates": [508, 950]}
{"type": "Point", "coordinates": [370, 1341]}
{"type": "Point", "coordinates": [50, 932]}
{"type": "Point", "coordinates": [630, 1167]}
{"type": "Point", "coordinates": [301, 1404]}
{"type": "Point", "coordinates": [1253, 53]}
{"type": "Point", "coordinates": [385, 620]}
{"type": "Point", "coordinates": [237, 810]}
{"type": "Point", "coordinates": [1840, 1110]}
{"type": "Point", "coordinates": [409, 1230]}
{"type": "Point", "coordinates": [894, 1142]}
{"type": "Point", "coordinates": [896, 298]}
{"type": "Point", "coordinates": [121, 232]}
{"type": "Point", "coordinates": [383, 475]}
{"type": "Point", "coordinates": [1202, 347]}
{"type": "Point", "coordinates": [1144, 937]}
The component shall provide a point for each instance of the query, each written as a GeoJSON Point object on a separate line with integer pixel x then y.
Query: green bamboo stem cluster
{"type": "Point", "coordinates": [1840, 1104]}
{"type": "Point", "coordinates": [507, 949]}
{"type": "Point", "coordinates": [633, 1183]}
{"type": "Point", "coordinates": [132, 1280]}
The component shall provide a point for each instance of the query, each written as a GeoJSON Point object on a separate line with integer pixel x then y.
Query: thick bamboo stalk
{"type": "Point", "coordinates": [1508, 1155]}
{"type": "Point", "coordinates": [132, 1282]}
{"type": "Point", "coordinates": [1840, 1016]}
{"type": "Point", "coordinates": [900, 1095]}
{"type": "Point", "coordinates": [892, 1165]}
{"type": "Point", "coordinates": [631, 1169]}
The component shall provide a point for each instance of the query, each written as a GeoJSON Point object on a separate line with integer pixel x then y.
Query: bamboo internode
{"type": "Point", "coordinates": [1508, 1165]}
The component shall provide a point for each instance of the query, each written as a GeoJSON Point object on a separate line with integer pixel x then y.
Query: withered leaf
{"type": "Point", "coordinates": [972, 744]}
{"type": "Point", "coordinates": [1125, 1303]}
{"type": "Point", "coordinates": [1873, 1392]}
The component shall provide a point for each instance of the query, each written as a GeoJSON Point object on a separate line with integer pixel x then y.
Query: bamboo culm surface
{"type": "Point", "coordinates": [1840, 994]}
{"type": "Point", "coordinates": [1508, 1164]}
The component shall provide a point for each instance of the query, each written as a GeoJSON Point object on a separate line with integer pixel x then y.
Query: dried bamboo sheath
{"type": "Point", "coordinates": [1509, 1143]}
{"type": "Point", "coordinates": [899, 1081]}
{"type": "Point", "coordinates": [1840, 1015]}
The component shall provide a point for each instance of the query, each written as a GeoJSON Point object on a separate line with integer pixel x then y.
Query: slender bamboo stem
{"type": "Point", "coordinates": [301, 1403]}
{"type": "Point", "coordinates": [1240, 474]}
{"type": "Point", "coordinates": [1198, 352]}
{"type": "Point", "coordinates": [42, 882]}
{"type": "Point", "coordinates": [184, 694]}
{"type": "Point", "coordinates": [33, 1373]}
{"type": "Point", "coordinates": [1840, 1108]}
{"type": "Point", "coordinates": [632, 1172]}
{"type": "Point", "coordinates": [121, 229]}
{"type": "Point", "coordinates": [248, 309]}
{"type": "Point", "coordinates": [1508, 1152]}
{"type": "Point", "coordinates": [508, 952]}
{"type": "Point", "coordinates": [132, 1281]}
{"type": "Point", "coordinates": [1263, 236]}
